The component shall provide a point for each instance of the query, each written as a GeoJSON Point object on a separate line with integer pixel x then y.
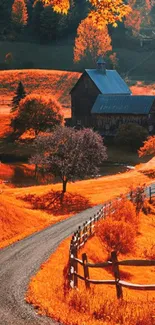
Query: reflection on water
{"type": "Point", "coordinates": [22, 175]}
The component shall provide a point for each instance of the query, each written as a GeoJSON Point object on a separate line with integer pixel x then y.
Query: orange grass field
{"type": "Point", "coordinates": [19, 218]}
{"type": "Point", "coordinates": [98, 306]}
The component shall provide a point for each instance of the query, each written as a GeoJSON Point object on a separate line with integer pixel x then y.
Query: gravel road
{"type": "Point", "coordinates": [21, 260]}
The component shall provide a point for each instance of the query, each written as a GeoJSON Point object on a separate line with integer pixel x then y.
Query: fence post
{"type": "Point", "coordinates": [150, 195]}
{"type": "Point", "coordinates": [71, 266]}
{"type": "Point", "coordinates": [105, 211]}
{"type": "Point", "coordinates": [116, 274]}
{"type": "Point", "coordinates": [86, 231]}
{"type": "Point", "coordinates": [90, 229]}
{"type": "Point", "coordinates": [131, 196]}
{"type": "Point", "coordinates": [79, 236]}
{"type": "Point", "coordinates": [109, 208]}
{"type": "Point", "coordinates": [85, 270]}
{"type": "Point", "coordinates": [75, 267]}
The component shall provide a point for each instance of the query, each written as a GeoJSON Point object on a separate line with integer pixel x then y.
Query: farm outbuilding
{"type": "Point", "coordinates": [102, 100]}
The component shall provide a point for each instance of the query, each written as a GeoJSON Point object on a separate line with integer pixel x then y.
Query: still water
{"type": "Point", "coordinates": [22, 175]}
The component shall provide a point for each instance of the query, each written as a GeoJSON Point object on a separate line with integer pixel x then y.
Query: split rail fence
{"type": "Point", "coordinates": [81, 236]}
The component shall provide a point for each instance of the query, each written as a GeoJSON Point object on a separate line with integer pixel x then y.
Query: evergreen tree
{"type": "Point", "coordinates": [5, 14]}
{"type": "Point", "coordinates": [36, 16]}
{"type": "Point", "coordinates": [19, 14]}
{"type": "Point", "coordinates": [20, 93]}
{"type": "Point", "coordinates": [49, 24]}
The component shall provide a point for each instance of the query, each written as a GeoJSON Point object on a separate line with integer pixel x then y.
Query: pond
{"type": "Point", "coordinates": [22, 175]}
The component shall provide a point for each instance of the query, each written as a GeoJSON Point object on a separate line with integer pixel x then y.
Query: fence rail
{"type": "Point", "coordinates": [114, 263]}
{"type": "Point", "coordinates": [81, 236]}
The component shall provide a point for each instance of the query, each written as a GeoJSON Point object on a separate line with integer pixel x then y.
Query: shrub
{"type": "Point", "coordinates": [116, 235]}
{"type": "Point", "coordinates": [124, 210]}
{"type": "Point", "coordinates": [138, 197]}
{"type": "Point", "coordinates": [131, 135]}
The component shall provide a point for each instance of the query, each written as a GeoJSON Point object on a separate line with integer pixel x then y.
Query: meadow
{"type": "Point", "coordinates": [98, 305]}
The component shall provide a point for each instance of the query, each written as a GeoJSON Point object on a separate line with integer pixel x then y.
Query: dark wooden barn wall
{"type": "Point", "coordinates": [83, 96]}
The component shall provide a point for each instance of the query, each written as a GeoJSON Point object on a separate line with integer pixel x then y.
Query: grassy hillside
{"type": "Point", "coordinates": [136, 62]}
{"type": "Point", "coordinates": [43, 82]}
{"type": "Point", "coordinates": [33, 55]}
{"type": "Point", "coordinates": [20, 216]}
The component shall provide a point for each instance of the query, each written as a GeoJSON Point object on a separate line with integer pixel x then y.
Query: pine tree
{"type": "Point", "coordinates": [36, 16]}
{"type": "Point", "coordinates": [20, 93]}
{"type": "Point", "coordinates": [19, 14]}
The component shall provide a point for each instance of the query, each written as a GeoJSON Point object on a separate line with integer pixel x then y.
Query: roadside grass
{"type": "Point", "coordinates": [92, 191]}
{"type": "Point", "coordinates": [48, 291]}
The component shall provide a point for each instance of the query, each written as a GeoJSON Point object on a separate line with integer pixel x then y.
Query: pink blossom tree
{"type": "Point", "coordinates": [70, 153]}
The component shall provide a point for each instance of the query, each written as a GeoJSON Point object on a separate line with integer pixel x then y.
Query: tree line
{"type": "Point", "coordinates": [31, 20]}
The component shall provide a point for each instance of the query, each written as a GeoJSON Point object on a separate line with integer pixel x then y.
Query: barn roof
{"type": "Point", "coordinates": [109, 82]}
{"type": "Point", "coordinates": [121, 104]}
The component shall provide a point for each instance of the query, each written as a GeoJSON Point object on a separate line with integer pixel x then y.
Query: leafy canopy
{"type": "Point", "coordinates": [19, 13]}
{"type": "Point", "coordinates": [37, 114]}
{"type": "Point", "coordinates": [90, 41]}
{"type": "Point", "coordinates": [148, 147]}
{"type": "Point", "coordinates": [131, 135]}
{"type": "Point", "coordinates": [70, 153]}
{"type": "Point", "coordinates": [103, 12]}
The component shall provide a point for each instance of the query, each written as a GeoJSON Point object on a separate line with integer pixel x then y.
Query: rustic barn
{"type": "Point", "coordinates": [101, 99]}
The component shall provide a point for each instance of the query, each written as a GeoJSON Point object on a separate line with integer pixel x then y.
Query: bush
{"type": "Point", "coordinates": [124, 210]}
{"type": "Point", "coordinates": [131, 135]}
{"type": "Point", "coordinates": [116, 235]}
{"type": "Point", "coordinates": [138, 197]}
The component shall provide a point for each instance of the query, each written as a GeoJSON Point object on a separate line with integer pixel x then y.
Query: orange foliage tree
{"type": "Point", "coordinates": [19, 13]}
{"type": "Point", "coordinates": [90, 41]}
{"type": "Point", "coordinates": [36, 113]}
{"type": "Point", "coordinates": [148, 147]}
{"type": "Point", "coordinates": [139, 15]}
{"type": "Point", "coordinates": [103, 12]}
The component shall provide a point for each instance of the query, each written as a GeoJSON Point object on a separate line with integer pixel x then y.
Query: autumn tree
{"type": "Point", "coordinates": [9, 60]}
{"type": "Point", "coordinates": [90, 43]}
{"type": "Point", "coordinates": [148, 147]}
{"type": "Point", "coordinates": [38, 114]}
{"type": "Point", "coordinates": [139, 16]}
{"type": "Point", "coordinates": [102, 12]}
{"type": "Point", "coordinates": [20, 94]}
{"type": "Point", "coordinates": [70, 153]}
{"type": "Point", "coordinates": [19, 14]}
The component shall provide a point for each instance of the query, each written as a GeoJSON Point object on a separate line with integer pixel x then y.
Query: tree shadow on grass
{"type": "Point", "coordinates": [150, 173]}
{"type": "Point", "coordinates": [124, 275]}
{"type": "Point", "coordinates": [57, 204]}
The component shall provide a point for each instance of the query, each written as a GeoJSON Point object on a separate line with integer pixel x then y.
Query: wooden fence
{"type": "Point", "coordinates": [114, 263]}
{"type": "Point", "coordinates": [81, 236]}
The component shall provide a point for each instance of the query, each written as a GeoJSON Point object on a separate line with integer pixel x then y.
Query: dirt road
{"type": "Point", "coordinates": [21, 260]}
